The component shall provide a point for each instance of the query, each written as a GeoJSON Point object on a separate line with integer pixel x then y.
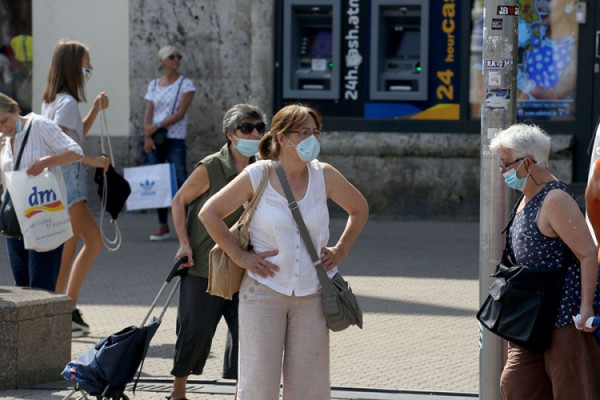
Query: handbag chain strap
{"type": "Point", "coordinates": [293, 205]}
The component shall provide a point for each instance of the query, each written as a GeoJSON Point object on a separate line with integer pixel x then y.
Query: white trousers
{"type": "Point", "coordinates": [281, 333]}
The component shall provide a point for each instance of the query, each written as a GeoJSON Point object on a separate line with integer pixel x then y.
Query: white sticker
{"type": "Point", "coordinates": [318, 64]}
{"type": "Point", "coordinates": [494, 78]}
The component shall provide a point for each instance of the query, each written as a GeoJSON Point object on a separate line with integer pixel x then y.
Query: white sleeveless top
{"type": "Point", "coordinates": [273, 228]}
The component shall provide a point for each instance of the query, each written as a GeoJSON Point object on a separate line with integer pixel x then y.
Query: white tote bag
{"type": "Point", "coordinates": [152, 186]}
{"type": "Point", "coordinates": [41, 209]}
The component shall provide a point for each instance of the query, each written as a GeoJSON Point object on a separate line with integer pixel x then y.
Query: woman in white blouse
{"type": "Point", "coordinates": [46, 147]}
{"type": "Point", "coordinates": [167, 102]}
{"type": "Point", "coordinates": [281, 323]}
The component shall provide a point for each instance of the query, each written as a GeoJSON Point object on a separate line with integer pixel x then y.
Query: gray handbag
{"type": "Point", "coordinates": [340, 306]}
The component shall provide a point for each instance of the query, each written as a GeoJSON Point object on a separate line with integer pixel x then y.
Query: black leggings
{"type": "Point", "coordinates": [198, 315]}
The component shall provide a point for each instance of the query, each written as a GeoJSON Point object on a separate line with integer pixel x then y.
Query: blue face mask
{"type": "Point", "coordinates": [247, 147]}
{"type": "Point", "coordinates": [19, 125]}
{"type": "Point", "coordinates": [514, 182]}
{"type": "Point", "coordinates": [308, 149]}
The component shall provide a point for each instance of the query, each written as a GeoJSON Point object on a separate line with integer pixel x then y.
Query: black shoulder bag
{"type": "Point", "coordinates": [340, 306]}
{"type": "Point", "coordinates": [522, 303]}
{"type": "Point", "coordinates": [9, 224]}
{"type": "Point", "coordinates": [160, 136]}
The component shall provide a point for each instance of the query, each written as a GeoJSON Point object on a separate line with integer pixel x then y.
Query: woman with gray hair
{"type": "Point", "coordinates": [199, 313]}
{"type": "Point", "coordinates": [165, 123]}
{"type": "Point", "coordinates": [549, 232]}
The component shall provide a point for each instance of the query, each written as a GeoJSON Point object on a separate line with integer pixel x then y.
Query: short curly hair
{"type": "Point", "coordinates": [236, 114]}
{"type": "Point", "coordinates": [524, 140]}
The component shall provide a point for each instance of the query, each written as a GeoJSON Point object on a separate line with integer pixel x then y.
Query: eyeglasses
{"type": "Point", "coordinates": [306, 132]}
{"type": "Point", "coordinates": [507, 165]}
{"type": "Point", "coordinates": [175, 56]}
{"type": "Point", "coordinates": [247, 128]}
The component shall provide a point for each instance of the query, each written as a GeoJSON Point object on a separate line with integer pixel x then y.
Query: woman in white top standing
{"type": "Point", "coordinates": [69, 70]}
{"type": "Point", "coordinates": [46, 147]}
{"type": "Point", "coordinates": [167, 102]}
{"type": "Point", "coordinates": [281, 323]}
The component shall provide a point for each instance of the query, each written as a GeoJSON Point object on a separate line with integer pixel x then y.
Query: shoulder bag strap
{"type": "Point", "coordinates": [177, 95]}
{"type": "Point", "coordinates": [254, 202]}
{"type": "Point", "coordinates": [18, 162]}
{"type": "Point", "coordinates": [507, 251]}
{"type": "Point", "coordinates": [297, 216]}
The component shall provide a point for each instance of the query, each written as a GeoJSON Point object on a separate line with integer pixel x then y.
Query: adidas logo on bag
{"type": "Point", "coordinates": [148, 188]}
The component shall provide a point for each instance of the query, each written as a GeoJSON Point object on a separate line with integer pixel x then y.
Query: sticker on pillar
{"type": "Point", "coordinates": [492, 132]}
{"type": "Point", "coordinates": [494, 78]}
{"type": "Point", "coordinates": [497, 99]}
{"type": "Point", "coordinates": [496, 24]}
{"type": "Point", "coordinates": [492, 64]}
{"type": "Point", "coordinates": [508, 10]}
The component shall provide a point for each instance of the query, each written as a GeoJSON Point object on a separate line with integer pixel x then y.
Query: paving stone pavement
{"type": "Point", "coordinates": [416, 282]}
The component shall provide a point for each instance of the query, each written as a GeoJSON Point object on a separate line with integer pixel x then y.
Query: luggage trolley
{"type": "Point", "coordinates": [105, 370]}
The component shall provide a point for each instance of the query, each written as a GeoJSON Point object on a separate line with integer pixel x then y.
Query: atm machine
{"type": "Point", "coordinates": [399, 50]}
{"type": "Point", "coordinates": [311, 50]}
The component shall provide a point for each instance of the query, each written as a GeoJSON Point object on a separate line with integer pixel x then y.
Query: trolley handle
{"type": "Point", "coordinates": [176, 271]}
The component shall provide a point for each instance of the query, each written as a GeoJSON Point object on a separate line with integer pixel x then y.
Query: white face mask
{"type": "Point", "coordinates": [87, 73]}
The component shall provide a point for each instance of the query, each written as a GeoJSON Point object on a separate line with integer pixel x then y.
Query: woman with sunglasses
{"type": "Point", "coordinates": [549, 232]}
{"type": "Point", "coordinates": [282, 325]}
{"type": "Point", "coordinates": [167, 102]}
{"type": "Point", "coordinates": [199, 313]}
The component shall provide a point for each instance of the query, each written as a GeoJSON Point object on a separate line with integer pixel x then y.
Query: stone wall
{"type": "Point", "coordinates": [421, 176]}
{"type": "Point", "coordinates": [410, 175]}
{"type": "Point", "coordinates": [228, 53]}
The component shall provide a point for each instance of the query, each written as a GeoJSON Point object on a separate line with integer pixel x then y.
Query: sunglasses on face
{"type": "Point", "coordinates": [175, 56]}
{"type": "Point", "coordinates": [247, 128]}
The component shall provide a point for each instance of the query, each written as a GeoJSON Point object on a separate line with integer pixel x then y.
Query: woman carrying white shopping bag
{"type": "Point", "coordinates": [42, 145]}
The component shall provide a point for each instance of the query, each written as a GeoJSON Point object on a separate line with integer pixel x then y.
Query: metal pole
{"type": "Point", "coordinates": [499, 59]}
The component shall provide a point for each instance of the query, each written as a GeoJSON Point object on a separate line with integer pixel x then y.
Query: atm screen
{"type": "Point", "coordinates": [319, 42]}
{"type": "Point", "coordinates": [404, 44]}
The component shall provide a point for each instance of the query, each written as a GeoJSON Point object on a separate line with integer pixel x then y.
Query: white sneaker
{"type": "Point", "coordinates": [77, 322]}
{"type": "Point", "coordinates": [159, 238]}
{"type": "Point", "coordinates": [77, 332]}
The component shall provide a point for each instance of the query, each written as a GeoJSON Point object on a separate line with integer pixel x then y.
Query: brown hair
{"type": "Point", "coordinates": [7, 104]}
{"type": "Point", "coordinates": [65, 73]}
{"type": "Point", "coordinates": [286, 119]}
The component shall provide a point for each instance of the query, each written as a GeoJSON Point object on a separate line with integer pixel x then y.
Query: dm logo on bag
{"type": "Point", "coordinates": [43, 200]}
{"type": "Point", "coordinates": [148, 188]}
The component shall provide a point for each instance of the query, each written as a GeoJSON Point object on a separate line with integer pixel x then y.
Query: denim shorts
{"type": "Point", "coordinates": [75, 176]}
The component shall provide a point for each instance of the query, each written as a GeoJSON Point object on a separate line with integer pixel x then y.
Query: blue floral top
{"type": "Point", "coordinates": [531, 247]}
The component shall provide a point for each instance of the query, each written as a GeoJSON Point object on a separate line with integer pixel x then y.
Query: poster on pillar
{"type": "Point", "coordinates": [547, 59]}
{"type": "Point", "coordinates": [414, 60]}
